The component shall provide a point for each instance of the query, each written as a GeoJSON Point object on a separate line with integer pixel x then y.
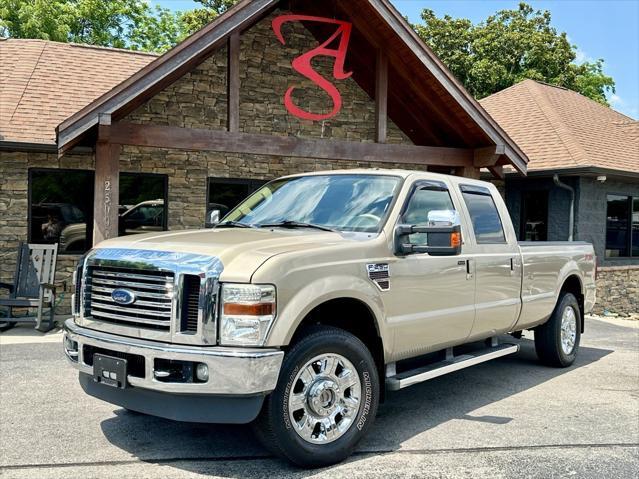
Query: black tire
{"type": "Point", "coordinates": [548, 336]}
{"type": "Point", "coordinates": [6, 325]}
{"type": "Point", "coordinates": [273, 426]}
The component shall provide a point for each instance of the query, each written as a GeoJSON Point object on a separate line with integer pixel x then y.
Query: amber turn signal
{"type": "Point", "coordinates": [258, 309]}
{"type": "Point", "coordinates": [455, 239]}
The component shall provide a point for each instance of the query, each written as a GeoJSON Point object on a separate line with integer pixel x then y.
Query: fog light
{"type": "Point", "coordinates": [202, 372]}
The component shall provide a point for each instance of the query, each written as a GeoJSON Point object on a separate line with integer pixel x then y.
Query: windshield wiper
{"type": "Point", "coordinates": [296, 224]}
{"type": "Point", "coordinates": [234, 224]}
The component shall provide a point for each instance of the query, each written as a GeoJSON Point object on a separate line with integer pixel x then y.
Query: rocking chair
{"type": "Point", "coordinates": [32, 286]}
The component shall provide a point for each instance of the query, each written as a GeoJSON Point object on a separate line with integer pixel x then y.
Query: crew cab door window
{"type": "Point", "coordinates": [484, 215]}
{"type": "Point", "coordinates": [424, 200]}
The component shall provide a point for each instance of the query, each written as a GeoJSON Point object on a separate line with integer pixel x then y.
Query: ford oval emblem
{"type": "Point", "coordinates": [123, 296]}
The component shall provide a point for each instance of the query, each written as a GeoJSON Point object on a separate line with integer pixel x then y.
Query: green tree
{"type": "Point", "coordinates": [193, 20]}
{"type": "Point", "coordinates": [115, 23]}
{"type": "Point", "coordinates": [508, 47]}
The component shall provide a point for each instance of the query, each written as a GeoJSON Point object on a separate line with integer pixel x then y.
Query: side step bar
{"type": "Point", "coordinates": [408, 378]}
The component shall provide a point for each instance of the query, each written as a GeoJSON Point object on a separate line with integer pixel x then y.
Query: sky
{"type": "Point", "coordinates": [607, 29]}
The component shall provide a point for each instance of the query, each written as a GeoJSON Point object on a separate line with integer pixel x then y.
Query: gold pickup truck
{"type": "Point", "coordinates": [314, 296]}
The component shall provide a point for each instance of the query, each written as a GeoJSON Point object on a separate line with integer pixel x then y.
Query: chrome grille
{"type": "Point", "coordinates": [153, 290]}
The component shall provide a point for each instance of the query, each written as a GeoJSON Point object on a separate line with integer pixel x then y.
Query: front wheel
{"type": "Point", "coordinates": [557, 340]}
{"type": "Point", "coordinates": [325, 400]}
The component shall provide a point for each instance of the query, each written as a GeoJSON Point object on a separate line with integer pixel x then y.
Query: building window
{"type": "Point", "coordinates": [484, 215]}
{"type": "Point", "coordinates": [224, 194]}
{"type": "Point", "coordinates": [61, 208]}
{"type": "Point", "coordinates": [534, 216]}
{"type": "Point", "coordinates": [143, 203]}
{"type": "Point", "coordinates": [622, 226]}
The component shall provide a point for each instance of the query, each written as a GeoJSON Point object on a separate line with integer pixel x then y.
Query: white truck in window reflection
{"type": "Point", "coordinates": [314, 294]}
{"type": "Point", "coordinates": [142, 218]}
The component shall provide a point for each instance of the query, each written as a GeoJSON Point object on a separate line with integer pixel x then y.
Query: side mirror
{"type": "Point", "coordinates": [212, 218]}
{"type": "Point", "coordinates": [443, 235]}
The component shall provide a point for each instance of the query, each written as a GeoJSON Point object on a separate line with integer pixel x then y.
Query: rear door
{"type": "Point", "coordinates": [432, 303]}
{"type": "Point", "coordinates": [496, 261]}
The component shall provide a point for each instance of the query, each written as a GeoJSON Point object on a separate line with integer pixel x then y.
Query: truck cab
{"type": "Point", "coordinates": [314, 295]}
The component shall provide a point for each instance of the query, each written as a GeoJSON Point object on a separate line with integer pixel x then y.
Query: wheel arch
{"type": "Point", "coordinates": [352, 315]}
{"type": "Point", "coordinates": [574, 285]}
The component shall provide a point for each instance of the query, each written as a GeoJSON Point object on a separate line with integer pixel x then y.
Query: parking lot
{"type": "Point", "coordinates": [509, 418]}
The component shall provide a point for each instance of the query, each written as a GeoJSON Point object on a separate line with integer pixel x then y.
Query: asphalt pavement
{"type": "Point", "coordinates": [509, 418]}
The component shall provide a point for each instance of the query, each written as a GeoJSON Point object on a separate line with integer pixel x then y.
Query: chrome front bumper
{"type": "Point", "coordinates": [232, 371]}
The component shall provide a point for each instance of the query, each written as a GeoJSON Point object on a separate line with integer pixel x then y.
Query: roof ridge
{"type": "Point", "coordinates": [584, 97]}
{"type": "Point", "coordinates": [81, 45]}
{"type": "Point", "coordinates": [26, 86]}
{"type": "Point", "coordinates": [565, 135]}
{"type": "Point", "coordinates": [110, 49]}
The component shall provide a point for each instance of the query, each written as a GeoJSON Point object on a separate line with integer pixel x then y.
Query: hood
{"type": "Point", "coordinates": [240, 250]}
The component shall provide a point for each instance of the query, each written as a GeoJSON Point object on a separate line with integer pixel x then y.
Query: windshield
{"type": "Point", "coordinates": [340, 202]}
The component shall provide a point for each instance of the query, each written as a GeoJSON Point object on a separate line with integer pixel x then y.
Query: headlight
{"type": "Point", "coordinates": [247, 312]}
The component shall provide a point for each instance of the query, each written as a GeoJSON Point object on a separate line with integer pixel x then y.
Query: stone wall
{"type": "Point", "coordinates": [14, 202]}
{"type": "Point", "coordinates": [618, 290]}
{"type": "Point", "coordinates": [199, 99]}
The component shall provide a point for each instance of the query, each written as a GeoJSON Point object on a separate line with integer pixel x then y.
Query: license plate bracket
{"type": "Point", "coordinates": [109, 371]}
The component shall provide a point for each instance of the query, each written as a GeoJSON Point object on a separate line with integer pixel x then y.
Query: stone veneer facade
{"type": "Point", "coordinates": [618, 290]}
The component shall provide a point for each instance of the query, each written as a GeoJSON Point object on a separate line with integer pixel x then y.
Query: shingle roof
{"type": "Point", "coordinates": [43, 82]}
{"type": "Point", "coordinates": [558, 128]}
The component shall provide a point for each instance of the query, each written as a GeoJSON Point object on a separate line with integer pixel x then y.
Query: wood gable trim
{"type": "Point", "coordinates": [158, 71]}
{"type": "Point", "coordinates": [167, 68]}
{"type": "Point", "coordinates": [399, 25]}
{"type": "Point", "coordinates": [159, 136]}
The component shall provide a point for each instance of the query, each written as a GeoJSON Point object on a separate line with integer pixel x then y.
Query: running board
{"type": "Point", "coordinates": [408, 378]}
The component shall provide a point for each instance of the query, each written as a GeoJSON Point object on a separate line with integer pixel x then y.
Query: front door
{"type": "Point", "coordinates": [433, 297]}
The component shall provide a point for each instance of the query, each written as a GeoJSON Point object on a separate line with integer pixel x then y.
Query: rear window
{"type": "Point", "coordinates": [484, 215]}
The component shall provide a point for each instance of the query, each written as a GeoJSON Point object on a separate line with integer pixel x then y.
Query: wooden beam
{"type": "Point", "coordinates": [233, 82]}
{"type": "Point", "coordinates": [468, 172]}
{"type": "Point", "coordinates": [488, 156]}
{"type": "Point", "coordinates": [381, 97]}
{"type": "Point", "coordinates": [107, 170]}
{"type": "Point", "coordinates": [497, 171]}
{"type": "Point", "coordinates": [287, 146]}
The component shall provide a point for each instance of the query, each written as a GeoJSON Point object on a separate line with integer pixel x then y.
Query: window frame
{"type": "Point", "coordinates": [89, 226]}
{"type": "Point", "coordinates": [630, 199]}
{"type": "Point", "coordinates": [482, 191]}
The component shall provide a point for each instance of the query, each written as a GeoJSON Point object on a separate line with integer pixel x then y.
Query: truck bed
{"type": "Point", "coordinates": [546, 267]}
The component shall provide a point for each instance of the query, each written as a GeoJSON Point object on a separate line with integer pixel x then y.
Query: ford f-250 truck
{"type": "Point", "coordinates": [315, 295]}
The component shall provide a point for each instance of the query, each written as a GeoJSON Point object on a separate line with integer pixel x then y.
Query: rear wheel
{"type": "Point", "coordinates": [557, 341]}
{"type": "Point", "coordinates": [325, 401]}
{"type": "Point", "coordinates": [6, 325]}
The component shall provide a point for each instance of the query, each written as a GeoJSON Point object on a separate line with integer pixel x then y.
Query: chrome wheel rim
{"type": "Point", "coordinates": [568, 330]}
{"type": "Point", "coordinates": [324, 398]}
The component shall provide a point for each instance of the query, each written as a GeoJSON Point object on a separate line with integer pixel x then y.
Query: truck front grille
{"type": "Point", "coordinates": [152, 290]}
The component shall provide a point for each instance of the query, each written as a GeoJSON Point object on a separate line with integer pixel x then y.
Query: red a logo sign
{"type": "Point", "coordinates": [303, 66]}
